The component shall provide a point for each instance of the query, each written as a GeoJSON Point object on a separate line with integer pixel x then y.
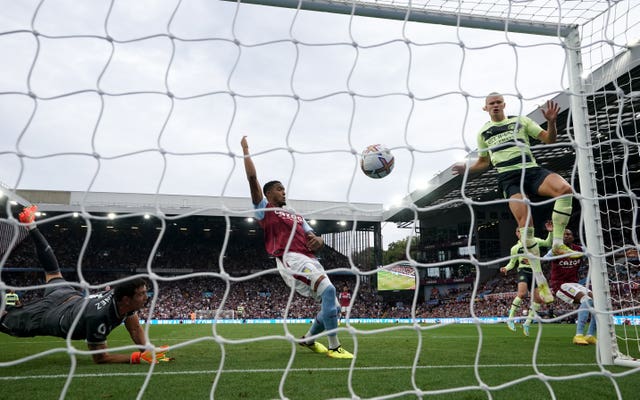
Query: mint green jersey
{"type": "Point", "coordinates": [518, 256]}
{"type": "Point", "coordinates": [11, 299]}
{"type": "Point", "coordinates": [498, 140]}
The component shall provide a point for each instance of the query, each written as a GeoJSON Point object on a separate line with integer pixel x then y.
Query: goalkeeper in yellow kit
{"type": "Point", "coordinates": [97, 315]}
{"type": "Point", "coordinates": [504, 143]}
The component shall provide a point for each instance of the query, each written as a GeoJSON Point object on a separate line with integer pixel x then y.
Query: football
{"type": "Point", "coordinates": [376, 161]}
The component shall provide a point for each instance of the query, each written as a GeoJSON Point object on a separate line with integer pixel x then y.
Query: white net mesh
{"type": "Point", "coordinates": [153, 97]}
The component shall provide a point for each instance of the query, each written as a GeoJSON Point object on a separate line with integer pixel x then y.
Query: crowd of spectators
{"type": "Point", "coordinates": [190, 279]}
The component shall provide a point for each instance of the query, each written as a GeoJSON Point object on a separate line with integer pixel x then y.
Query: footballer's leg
{"type": "Point", "coordinates": [574, 293]}
{"type": "Point", "coordinates": [591, 331]}
{"type": "Point", "coordinates": [515, 306]}
{"type": "Point", "coordinates": [533, 311]}
{"type": "Point", "coordinates": [529, 243]}
{"type": "Point", "coordinates": [330, 312]}
{"type": "Point", "coordinates": [316, 327]}
{"type": "Point", "coordinates": [587, 303]}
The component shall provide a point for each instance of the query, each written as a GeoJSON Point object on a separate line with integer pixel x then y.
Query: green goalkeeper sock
{"type": "Point", "coordinates": [515, 305]}
{"type": "Point", "coordinates": [560, 218]}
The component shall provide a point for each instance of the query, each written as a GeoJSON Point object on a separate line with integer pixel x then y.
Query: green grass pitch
{"type": "Point", "coordinates": [267, 366]}
{"type": "Point", "coordinates": [390, 281]}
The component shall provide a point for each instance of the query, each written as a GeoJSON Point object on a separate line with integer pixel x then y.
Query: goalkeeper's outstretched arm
{"type": "Point", "coordinates": [103, 357]}
{"type": "Point", "coordinates": [132, 323]}
{"type": "Point", "coordinates": [137, 357]}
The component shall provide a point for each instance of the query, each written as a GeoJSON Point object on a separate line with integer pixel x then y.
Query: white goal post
{"type": "Point", "coordinates": [570, 33]}
{"type": "Point", "coordinates": [141, 108]}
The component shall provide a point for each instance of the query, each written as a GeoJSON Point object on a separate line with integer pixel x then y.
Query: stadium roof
{"type": "Point", "coordinates": [616, 82]}
{"type": "Point", "coordinates": [366, 214]}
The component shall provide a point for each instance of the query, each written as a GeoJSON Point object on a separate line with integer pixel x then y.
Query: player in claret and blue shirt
{"type": "Point", "coordinates": [96, 315]}
{"type": "Point", "coordinates": [295, 256]}
{"type": "Point", "coordinates": [565, 278]}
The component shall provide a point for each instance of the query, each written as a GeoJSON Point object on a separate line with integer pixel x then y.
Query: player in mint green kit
{"type": "Point", "coordinates": [504, 143]}
{"type": "Point", "coordinates": [525, 281]}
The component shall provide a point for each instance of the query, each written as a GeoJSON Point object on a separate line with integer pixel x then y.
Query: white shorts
{"type": "Point", "coordinates": [303, 273]}
{"type": "Point", "coordinates": [569, 291]}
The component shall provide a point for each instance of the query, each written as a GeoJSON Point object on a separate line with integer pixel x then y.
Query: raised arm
{"type": "Point", "coordinates": [550, 113]}
{"type": "Point", "coordinates": [252, 176]}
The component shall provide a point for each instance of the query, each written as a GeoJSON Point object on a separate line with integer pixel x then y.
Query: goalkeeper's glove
{"type": "Point", "coordinates": [149, 357]}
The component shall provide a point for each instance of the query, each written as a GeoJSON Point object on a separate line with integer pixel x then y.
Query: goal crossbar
{"type": "Point", "coordinates": [408, 13]}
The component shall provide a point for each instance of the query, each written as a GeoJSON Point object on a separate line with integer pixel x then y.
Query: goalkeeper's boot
{"type": "Point", "coordinates": [316, 347]}
{"type": "Point", "coordinates": [511, 325]}
{"type": "Point", "coordinates": [580, 340]}
{"type": "Point", "coordinates": [339, 352]}
{"type": "Point", "coordinates": [525, 329]}
{"type": "Point", "coordinates": [564, 250]}
{"type": "Point", "coordinates": [28, 214]}
{"type": "Point", "coordinates": [545, 293]}
{"type": "Point", "coordinates": [591, 339]}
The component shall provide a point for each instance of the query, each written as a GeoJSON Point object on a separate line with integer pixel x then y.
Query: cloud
{"type": "Point", "coordinates": [236, 69]}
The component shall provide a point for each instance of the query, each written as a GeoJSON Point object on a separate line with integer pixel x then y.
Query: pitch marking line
{"type": "Point", "coordinates": [274, 370]}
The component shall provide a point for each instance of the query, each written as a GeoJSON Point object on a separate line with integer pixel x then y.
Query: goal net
{"type": "Point", "coordinates": [154, 97]}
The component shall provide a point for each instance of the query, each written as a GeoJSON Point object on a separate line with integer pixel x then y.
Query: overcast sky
{"type": "Point", "coordinates": [79, 140]}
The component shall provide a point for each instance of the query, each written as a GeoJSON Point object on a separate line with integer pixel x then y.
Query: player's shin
{"type": "Point", "coordinates": [515, 305]}
{"type": "Point", "coordinates": [329, 314]}
{"type": "Point", "coordinates": [529, 243]}
{"type": "Point", "coordinates": [533, 311]}
{"type": "Point", "coordinates": [316, 327]}
{"type": "Point", "coordinates": [583, 316]}
{"type": "Point", "coordinates": [560, 218]}
{"type": "Point", "coordinates": [329, 311]}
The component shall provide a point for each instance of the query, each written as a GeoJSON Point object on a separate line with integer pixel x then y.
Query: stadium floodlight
{"type": "Point", "coordinates": [597, 79]}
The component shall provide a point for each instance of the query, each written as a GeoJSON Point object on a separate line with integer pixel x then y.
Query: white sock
{"type": "Point", "coordinates": [334, 343]}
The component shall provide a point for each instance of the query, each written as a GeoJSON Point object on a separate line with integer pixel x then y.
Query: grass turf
{"type": "Point", "coordinates": [258, 362]}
